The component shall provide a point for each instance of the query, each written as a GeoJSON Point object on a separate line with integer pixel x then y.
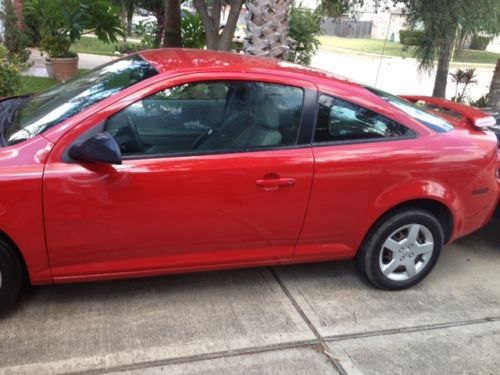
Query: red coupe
{"type": "Point", "coordinates": [172, 161]}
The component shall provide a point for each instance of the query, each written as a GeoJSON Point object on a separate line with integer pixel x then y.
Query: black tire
{"type": "Point", "coordinates": [11, 277]}
{"type": "Point", "coordinates": [369, 256]}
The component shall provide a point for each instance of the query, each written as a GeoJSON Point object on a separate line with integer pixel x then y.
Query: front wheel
{"type": "Point", "coordinates": [10, 277]}
{"type": "Point", "coordinates": [401, 250]}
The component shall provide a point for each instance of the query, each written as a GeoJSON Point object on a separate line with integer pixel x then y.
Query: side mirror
{"type": "Point", "coordinates": [101, 148]}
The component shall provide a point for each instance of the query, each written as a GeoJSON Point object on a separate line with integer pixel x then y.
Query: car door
{"type": "Point", "coordinates": [227, 183]}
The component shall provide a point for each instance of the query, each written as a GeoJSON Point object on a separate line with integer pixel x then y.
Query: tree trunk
{"type": "Point", "coordinates": [214, 38]}
{"type": "Point", "coordinates": [494, 100]}
{"type": "Point", "coordinates": [443, 68]}
{"type": "Point", "coordinates": [160, 18]}
{"type": "Point", "coordinates": [267, 28]}
{"type": "Point", "coordinates": [130, 15]}
{"type": "Point", "coordinates": [173, 36]}
{"type": "Point", "coordinates": [123, 18]}
{"type": "Point", "coordinates": [226, 38]}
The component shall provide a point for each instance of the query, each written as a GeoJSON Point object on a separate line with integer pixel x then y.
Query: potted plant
{"type": "Point", "coordinates": [62, 23]}
{"type": "Point", "coordinates": [61, 63]}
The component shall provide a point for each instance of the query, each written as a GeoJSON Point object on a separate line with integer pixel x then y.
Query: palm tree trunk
{"type": "Point", "coordinates": [443, 68]}
{"type": "Point", "coordinates": [494, 100]}
{"type": "Point", "coordinates": [173, 36]}
{"type": "Point", "coordinates": [267, 28]}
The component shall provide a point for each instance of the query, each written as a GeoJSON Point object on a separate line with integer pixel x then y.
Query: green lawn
{"type": "Point", "coordinates": [31, 85]}
{"type": "Point", "coordinates": [93, 45]}
{"type": "Point", "coordinates": [34, 84]}
{"type": "Point", "coordinates": [375, 46]}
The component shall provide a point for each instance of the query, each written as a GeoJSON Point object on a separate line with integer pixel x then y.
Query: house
{"type": "Point", "coordinates": [18, 4]}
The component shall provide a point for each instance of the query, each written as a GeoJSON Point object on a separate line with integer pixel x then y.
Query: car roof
{"type": "Point", "coordinates": [170, 60]}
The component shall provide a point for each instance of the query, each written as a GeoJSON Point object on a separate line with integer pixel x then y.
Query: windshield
{"type": "Point", "coordinates": [434, 122]}
{"type": "Point", "coordinates": [49, 108]}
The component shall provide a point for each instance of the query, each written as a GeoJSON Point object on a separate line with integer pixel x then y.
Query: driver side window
{"type": "Point", "coordinates": [209, 116]}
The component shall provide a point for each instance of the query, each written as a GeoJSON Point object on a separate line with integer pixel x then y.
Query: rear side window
{"type": "Point", "coordinates": [339, 120]}
{"type": "Point", "coordinates": [419, 113]}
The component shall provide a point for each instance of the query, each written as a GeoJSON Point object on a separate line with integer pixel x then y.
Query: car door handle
{"type": "Point", "coordinates": [275, 182]}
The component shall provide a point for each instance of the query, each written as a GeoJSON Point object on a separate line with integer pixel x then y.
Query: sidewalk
{"type": "Point", "coordinates": [86, 61]}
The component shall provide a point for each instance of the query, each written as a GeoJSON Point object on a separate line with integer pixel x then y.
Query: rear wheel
{"type": "Point", "coordinates": [10, 277]}
{"type": "Point", "coordinates": [401, 250]}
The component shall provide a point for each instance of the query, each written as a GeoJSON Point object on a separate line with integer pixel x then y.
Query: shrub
{"type": "Point", "coordinates": [192, 30]}
{"type": "Point", "coordinates": [126, 47]}
{"type": "Point", "coordinates": [481, 102]}
{"type": "Point", "coordinates": [148, 33]}
{"type": "Point", "coordinates": [480, 43]}
{"type": "Point", "coordinates": [304, 28]}
{"type": "Point", "coordinates": [410, 37]}
{"type": "Point", "coordinates": [59, 24]}
{"type": "Point", "coordinates": [11, 67]}
{"type": "Point", "coordinates": [14, 40]}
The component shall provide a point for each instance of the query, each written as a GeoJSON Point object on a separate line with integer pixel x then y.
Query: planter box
{"type": "Point", "coordinates": [64, 68]}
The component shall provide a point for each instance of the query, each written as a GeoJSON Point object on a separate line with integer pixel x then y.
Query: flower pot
{"type": "Point", "coordinates": [50, 69]}
{"type": "Point", "coordinates": [64, 68]}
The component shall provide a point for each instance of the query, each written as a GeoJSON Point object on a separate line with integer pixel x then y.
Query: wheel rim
{"type": "Point", "coordinates": [406, 252]}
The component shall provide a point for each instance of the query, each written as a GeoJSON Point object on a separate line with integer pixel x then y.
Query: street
{"type": "Point", "coordinates": [305, 319]}
{"type": "Point", "coordinates": [395, 74]}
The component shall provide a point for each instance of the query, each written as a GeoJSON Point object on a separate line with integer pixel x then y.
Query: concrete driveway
{"type": "Point", "coordinates": [306, 319]}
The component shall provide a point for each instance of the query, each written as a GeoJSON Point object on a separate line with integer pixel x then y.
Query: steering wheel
{"type": "Point", "coordinates": [136, 141]}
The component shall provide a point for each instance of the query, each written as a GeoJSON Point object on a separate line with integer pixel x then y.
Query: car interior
{"type": "Point", "coordinates": [204, 117]}
{"type": "Point", "coordinates": [339, 120]}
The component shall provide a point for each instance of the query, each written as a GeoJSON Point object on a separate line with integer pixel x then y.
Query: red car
{"type": "Point", "coordinates": [174, 161]}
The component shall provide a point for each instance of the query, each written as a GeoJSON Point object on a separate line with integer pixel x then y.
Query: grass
{"type": "Point", "coordinates": [88, 44]}
{"type": "Point", "coordinates": [32, 85]}
{"type": "Point", "coordinates": [375, 46]}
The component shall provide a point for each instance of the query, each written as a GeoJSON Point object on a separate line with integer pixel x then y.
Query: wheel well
{"type": "Point", "coordinates": [438, 209]}
{"type": "Point", "coordinates": [17, 252]}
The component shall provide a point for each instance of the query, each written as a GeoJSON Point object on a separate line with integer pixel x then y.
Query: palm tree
{"type": "Point", "coordinates": [267, 28]}
{"type": "Point", "coordinates": [494, 100]}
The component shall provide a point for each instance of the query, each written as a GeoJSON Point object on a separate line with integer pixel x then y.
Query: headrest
{"type": "Point", "coordinates": [267, 114]}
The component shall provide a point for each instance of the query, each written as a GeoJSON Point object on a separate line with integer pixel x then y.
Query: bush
{"type": "Point", "coordinates": [192, 30]}
{"type": "Point", "coordinates": [304, 28]}
{"type": "Point", "coordinates": [148, 33]}
{"type": "Point", "coordinates": [126, 48]}
{"type": "Point", "coordinates": [32, 24]}
{"type": "Point", "coordinates": [410, 37]}
{"type": "Point", "coordinates": [11, 67]}
{"type": "Point", "coordinates": [481, 102]}
{"type": "Point", "coordinates": [14, 40]}
{"type": "Point", "coordinates": [480, 43]}
{"type": "Point", "coordinates": [56, 24]}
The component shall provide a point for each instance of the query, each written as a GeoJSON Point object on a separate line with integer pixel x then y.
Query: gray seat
{"type": "Point", "coordinates": [246, 129]}
{"type": "Point", "coordinates": [265, 130]}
